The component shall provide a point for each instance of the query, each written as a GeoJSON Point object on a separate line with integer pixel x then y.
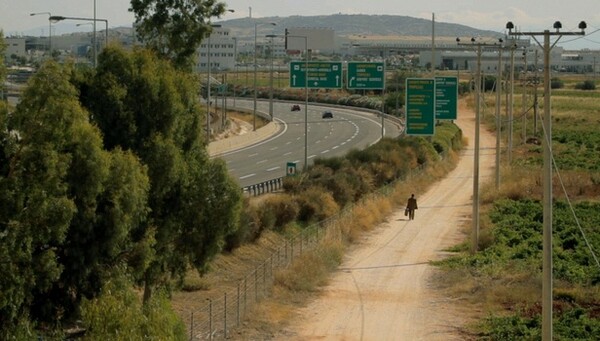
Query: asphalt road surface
{"type": "Point", "coordinates": [348, 129]}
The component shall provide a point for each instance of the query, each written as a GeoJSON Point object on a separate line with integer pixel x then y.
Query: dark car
{"type": "Point", "coordinates": [295, 107]}
{"type": "Point", "coordinates": [327, 114]}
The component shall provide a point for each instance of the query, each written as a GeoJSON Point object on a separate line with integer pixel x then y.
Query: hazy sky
{"type": "Point", "coordinates": [527, 15]}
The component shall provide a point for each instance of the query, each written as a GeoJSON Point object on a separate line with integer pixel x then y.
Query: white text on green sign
{"type": "Point", "coordinates": [320, 75]}
{"type": "Point", "coordinates": [420, 106]}
{"type": "Point", "coordinates": [366, 75]}
{"type": "Point", "coordinates": [446, 94]}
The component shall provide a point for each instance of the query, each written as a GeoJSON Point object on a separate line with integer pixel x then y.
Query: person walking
{"type": "Point", "coordinates": [411, 206]}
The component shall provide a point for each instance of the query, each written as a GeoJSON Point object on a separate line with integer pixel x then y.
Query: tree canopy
{"type": "Point", "coordinates": [193, 202]}
{"type": "Point", "coordinates": [175, 28]}
{"type": "Point", "coordinates": [67, 206]}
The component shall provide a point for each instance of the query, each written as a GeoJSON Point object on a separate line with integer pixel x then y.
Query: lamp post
{"type": "Point", "coordinates": [475, 218]}
{"type": "Point", "coordinates": [208, 83]}
{"type": "Point", "coordinates": [208, 66]}
{"type": "Point", "coordinates": [255, 69]}
{"type": "Point", "coordinates": [57, 18]}
{"type": "Point", "coordinates": [305, 168]}
{"type": "Point", "coordinates": [271, 78]}
{"type": "Point", "coordinates": [235, 65]}
{"type": "Point", "coordinates": [49, 29]}
{"type": "Point", "coordinates": [547, 170]}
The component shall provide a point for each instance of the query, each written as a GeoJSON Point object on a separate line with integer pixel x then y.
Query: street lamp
{"type": "Point", "coordinates": [208, 83]}
{"type": "Point", "coordinates": [57, 18]}
{"type": "Point", "coordinates": [547, 171]}
{"type": "Point", "coordinates": [255, 69]}
{"type": "Point", "coordinates": [49, 30]}
{"type": "Point", "coordinates": [305, 96]}
{"type": "Point", "coordinates": [271, 78]}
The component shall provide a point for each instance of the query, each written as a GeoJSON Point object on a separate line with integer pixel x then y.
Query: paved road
{"type": "Point", "coordinates": [260, 161]}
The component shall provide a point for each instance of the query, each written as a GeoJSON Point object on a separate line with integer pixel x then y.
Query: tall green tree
{"type": "Point", "coordinates": [143, 104]}
{"type": "Point", "coordinates": [67, 206]}
{"type": "Point", "coordinates": [175, 28]}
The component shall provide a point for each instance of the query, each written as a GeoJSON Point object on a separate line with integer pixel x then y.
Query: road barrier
{"type": "Point", "coordinates": [264, 187]}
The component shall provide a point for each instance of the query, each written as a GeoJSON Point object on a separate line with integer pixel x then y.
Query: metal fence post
{"type": "Point", "coordinates": [192, 326]}
{"type": "Point", "coordinates": [238, 305]}
{"type": "Point", "coordinates": [210, 336]}
{"type": "Point", "coordinates": [225, 315]}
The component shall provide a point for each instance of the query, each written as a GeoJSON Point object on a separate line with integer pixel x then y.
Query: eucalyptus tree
{"type": "Point", "coordinates": [67, 206]}
{"type": "Point", "coordinates": [175, 28]}
{"type": "Point", "coordinates": [143, 104]}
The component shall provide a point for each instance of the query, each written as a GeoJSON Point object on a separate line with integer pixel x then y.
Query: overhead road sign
{"type": "Point", "coordinates": [368, 76]}
{"type": "Point", "coordinates": [420, 106]}
{"type": "Point", "coordinates": [321, 75]}
{"type": "Point", "coordinates": [446, 95]}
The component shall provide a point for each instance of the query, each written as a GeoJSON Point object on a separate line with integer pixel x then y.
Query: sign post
{"type": "Point", "coordinates": [420, 106]}
{"type": "Point", "coordinates": [366, 75]}
{"type": "Point", "coordinates": [321, 75]}
{"type": "Point", "coordinates": [446, 95]}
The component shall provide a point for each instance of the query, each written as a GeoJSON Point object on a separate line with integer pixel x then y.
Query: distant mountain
{"type": "Point", "coordinates": [358, 24]}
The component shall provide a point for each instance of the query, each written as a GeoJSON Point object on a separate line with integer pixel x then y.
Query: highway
{"type": "Point", "coordinates": [350, 128]}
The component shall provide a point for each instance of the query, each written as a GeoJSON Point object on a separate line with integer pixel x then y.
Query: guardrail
{"type": "Point", "coordinates": [264, 187]}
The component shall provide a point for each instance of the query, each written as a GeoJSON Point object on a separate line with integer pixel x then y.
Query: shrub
{"type": "Point", "coordinates": [556, 83]}
{"type": "Point", "coordinates": [284, 208]}
{"type": "Point", "coordinates": [316, 204]}
{"type": "Point", "coordinates": [586, 85]}
{"type": "Point", "coordinates": [118, 314]}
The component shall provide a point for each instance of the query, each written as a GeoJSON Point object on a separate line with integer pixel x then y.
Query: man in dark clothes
{"type": "Point", "coordinates": [411, 206]}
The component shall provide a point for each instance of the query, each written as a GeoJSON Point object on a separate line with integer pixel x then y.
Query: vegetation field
{"type": "Point", "coordinates": [504, 278]}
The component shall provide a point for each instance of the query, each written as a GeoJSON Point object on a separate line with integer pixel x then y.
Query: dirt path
{"type": "Point", "coordinates": [383, 291]}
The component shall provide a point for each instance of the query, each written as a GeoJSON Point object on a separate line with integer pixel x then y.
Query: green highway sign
{"type": "Point", "coordinates": [420, 106]}
{"type": "Point", "coordinates": [366, 75]}
{"type": "Point", "coordinates": [323, 75]}
{"type": "Point", "coordinates": [446, 95]}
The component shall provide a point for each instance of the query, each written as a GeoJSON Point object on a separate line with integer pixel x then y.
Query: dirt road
{"type": "Point", "coordinates": [383, 289]}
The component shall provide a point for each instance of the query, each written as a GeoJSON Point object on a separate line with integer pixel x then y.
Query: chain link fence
{"type": "Point", "coordinates": [219, 317]}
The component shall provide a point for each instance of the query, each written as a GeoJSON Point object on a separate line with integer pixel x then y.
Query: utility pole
{"type": "Point", "coordinates": [475, 218]}
{"type": "Point", "coordinates": [498, 121]}
{"type": "Point", "coordinates": [547, 172]}
{"type": "Point", "coordinates": [511, 103]}
{"type": "Point", "coordinates": [524, 100]}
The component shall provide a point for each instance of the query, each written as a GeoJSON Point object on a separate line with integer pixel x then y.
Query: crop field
{"type": "Point", "coordinates": [504, 278]}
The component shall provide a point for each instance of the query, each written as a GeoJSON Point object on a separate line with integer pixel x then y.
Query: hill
{"type": "Point", "coordinates": [355, 24]}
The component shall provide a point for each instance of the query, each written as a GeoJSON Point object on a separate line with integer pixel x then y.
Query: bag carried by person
{"type": "Point", "coordinates": [406, 211]}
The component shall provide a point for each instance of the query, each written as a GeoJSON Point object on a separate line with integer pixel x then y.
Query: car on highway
{"type": "Point", "coordinates": [327, 114]}
{"type": "Point", "coordinates": [295, 107]}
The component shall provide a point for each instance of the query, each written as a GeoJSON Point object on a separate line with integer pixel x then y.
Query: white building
{"type": "Point", "coordinates": [220, 47]}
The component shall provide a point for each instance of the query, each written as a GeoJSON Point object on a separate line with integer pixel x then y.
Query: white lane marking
{"type": "Point", "coordinates": [247, 176]}
{"type": "Point", "coordinates": [310, 157]}
{"type": "Point", "coordinates": [251, 155]}
{"type": "Point", "coordinates": [262, 161]}
{"type": "Point", "coordinates": [272, 169]}
{"type": "Point", "coordinates": [325, 151]}
{"type": "Point", "coordinates": [288, 153]}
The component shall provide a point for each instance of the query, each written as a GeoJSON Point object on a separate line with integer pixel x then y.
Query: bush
{"type": "Point", "coordinates": [586, 85]}
{"type": "Point", "coordinates": [316, 204]}
{"type": "Point", "coordinates": [118, 314]}
{"type": "Point", "coordinates": [557, 83]}
{"type": "Point", "coordinates": [284, 209]}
